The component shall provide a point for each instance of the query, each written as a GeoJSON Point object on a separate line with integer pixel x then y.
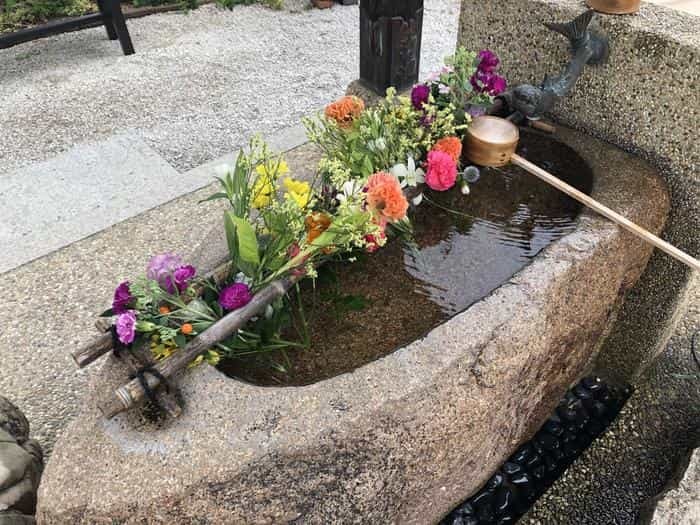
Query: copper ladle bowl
{"type": "Point", "coordinates": [491, 141]}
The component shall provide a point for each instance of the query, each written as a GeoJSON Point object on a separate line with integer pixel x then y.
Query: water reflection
{"type": "Point", "coordinates": [462, 255]}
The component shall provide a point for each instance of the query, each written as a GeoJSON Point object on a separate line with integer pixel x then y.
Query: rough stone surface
{"type": "Point", "coordinates": [618, 478]}
{"type": "Point", "coordinates": [21, 464]}
{"type": "Point", "coordinates": [681, 505]}
{"type": "Point", "coordinates": [380, 444]}
{"type": "Point", "coordinates": [622, 103]}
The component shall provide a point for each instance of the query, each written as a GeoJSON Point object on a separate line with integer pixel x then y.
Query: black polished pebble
{"type": "Point", "coordinates": [511, 468]}
{"type": "Point", "coordinates": [495, 481]}
{"type": "Point", "coordinates": [523, 455]}
{"type": "Point", "coordinates": [583, 414]}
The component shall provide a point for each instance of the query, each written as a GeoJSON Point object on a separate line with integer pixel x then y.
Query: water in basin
{"type": "Point", "coordinates": [361, 311]}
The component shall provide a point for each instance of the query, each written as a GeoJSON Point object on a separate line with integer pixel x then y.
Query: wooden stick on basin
{"type": "Point", "coordinates": [129, 395]}
{"type": "Point", "coordinates": [95, 349]}
{"type": "Point", "coordinates": [491, 141]}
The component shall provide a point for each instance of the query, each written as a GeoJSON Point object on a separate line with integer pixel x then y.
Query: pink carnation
{"type": "Point", "coordinates": [442, 171]}
{"type": "Point", "coordinates": [126, 327]}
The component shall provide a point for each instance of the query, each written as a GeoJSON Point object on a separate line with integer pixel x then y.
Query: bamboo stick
{"type": "Point", "coordinates": [606, 212]}
{"type": "Point", "coordinates": [98, 347]}
{"type": "Point", "coordinates": [139, 358]}
{"type": "Point", "coordinates": [127, 396]}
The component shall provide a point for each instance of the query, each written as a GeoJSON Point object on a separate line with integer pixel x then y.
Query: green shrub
{"type": "Point", "coordinates": [15, 14]}
{"type": "Point", "coordinates": [229, 4]}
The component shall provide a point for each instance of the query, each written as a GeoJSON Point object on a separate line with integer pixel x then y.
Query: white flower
{"type": "Point", "coordinates": [417, 199]}
{"type": "Point", "coordinates": [465, 189]}
{"type": "Point", "coordinates": [376, 145]}
{"type": "Point", "coordinates": [408, 174]}
{"type": "Point", "coordinates": [433, 76]}
{"type": "Point", "coordinates": [243, 278]}
{"type": "Point", "coordinates": [349, 191]}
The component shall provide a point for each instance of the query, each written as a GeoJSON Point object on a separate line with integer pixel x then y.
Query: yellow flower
{"type": "Point", "coordinates": [273, 169]}
{"type": "Point", "coordinates": [210, 356]}
{"type": "Point", "coordinates": [297, 190]}
{"type": "Point", "coordinates": [262, 192]}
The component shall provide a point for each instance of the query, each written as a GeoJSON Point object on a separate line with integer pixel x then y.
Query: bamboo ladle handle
{"type": "Point", "coordinates": [605, 211]}
{"type": "Point", "coordinates": [491, 141]}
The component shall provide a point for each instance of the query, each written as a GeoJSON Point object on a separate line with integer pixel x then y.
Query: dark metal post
{"type": "Point", "coordinates": [390, 40]}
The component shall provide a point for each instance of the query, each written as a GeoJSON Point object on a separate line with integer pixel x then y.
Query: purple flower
{"type": "Point", "coordinates": [122, 298]}
{"type": "Point", "coordinates": [168, 270]}
{"type": "Point", "coordinates": [495, 85]}
{"type": "Point", "coordinates": [163, 265]}
{"type": "Point", "coordinates": [420, 95]}
{"type": "Point", "coordinates": [235, 296]}
{"type": "Point", "coordinates": [476, 111]}
{"type": "Point", "coordinates": [183, 275]}
{"type": "Point", "coordinates": [488, 61]}
{"type": "Point", "coordinates": [489, 83]}
{"type": "Point", "coordinates": [126, 327]}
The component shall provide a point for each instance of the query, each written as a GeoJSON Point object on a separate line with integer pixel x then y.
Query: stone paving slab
{"type": "Point", "coordinates": [199, 84]}
{"type": "Point", "coordinates": [51, 204]}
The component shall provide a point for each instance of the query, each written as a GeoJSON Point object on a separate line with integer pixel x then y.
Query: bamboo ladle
{"type": "Point", "coordinates": [491, 141]}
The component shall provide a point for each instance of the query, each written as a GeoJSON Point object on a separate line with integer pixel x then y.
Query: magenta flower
{"type": "Point", "coordinates": [122, 298]}
{"type": "Point", "coordinates": [420, 95]}
{"type": "Point", "coordinates": [235, 296]}
{"type": "Point", "coordinates": [488, 61]}
{"type": "Point", "coordinates": [489, 83]}
{"type": "Point", "coordinates": [167, 269]}
{"type": "Point", "coordinates": [182, 277]}
{"type": "Point", "coordinates": [126, 327]}
{"type": "Point", "coordinates": [442, 171]}
{"type": "Point", "coordinates": [496, 85]}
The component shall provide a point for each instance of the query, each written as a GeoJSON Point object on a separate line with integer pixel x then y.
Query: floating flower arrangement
{"type": "Point", "coordinates": [377, 162]}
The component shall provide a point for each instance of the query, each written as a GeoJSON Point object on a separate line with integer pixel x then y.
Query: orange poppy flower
{"type": "Point", "coordinates": [385, 196]}
{"type": "Point", "coordinates": [450, 145]}
{"type": "Point", "coordinates": [345, 110]}
{"type": "Point", "coordinates": [316, 224]}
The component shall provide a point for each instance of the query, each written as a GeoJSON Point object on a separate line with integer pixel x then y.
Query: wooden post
{"type": "Point", "coordinates": [127, 396]}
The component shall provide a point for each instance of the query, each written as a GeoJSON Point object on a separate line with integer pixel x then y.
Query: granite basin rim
{"type": "Point", "coordinates": [385, 439]}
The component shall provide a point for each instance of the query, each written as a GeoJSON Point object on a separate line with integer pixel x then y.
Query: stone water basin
{"type": "Point", "coordinates": [402, 435]}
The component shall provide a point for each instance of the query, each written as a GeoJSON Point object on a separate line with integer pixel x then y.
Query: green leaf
{"type": "Point", "coordinates": [201, 326]}
{"type": "Point", "coordinates": [247, 241]}
{"type": "Point", "coordinates": [180, 341]}
{"type": "Point", "coordinates": [107, 313]}
{"type": "Point", "coordinates": [231, 239]}
{"type": "Point", "coordinates": [214, 197]}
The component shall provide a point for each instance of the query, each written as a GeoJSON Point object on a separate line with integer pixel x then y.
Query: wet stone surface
{"type": "Point", "coordinates": [465, 247]}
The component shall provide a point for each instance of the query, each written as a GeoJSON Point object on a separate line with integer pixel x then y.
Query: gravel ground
{"type": "Point", "coordinates": [199, 85]}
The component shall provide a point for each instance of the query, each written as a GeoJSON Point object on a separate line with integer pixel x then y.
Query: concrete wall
{"type": "Point", "coordinates": [646, 99]}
